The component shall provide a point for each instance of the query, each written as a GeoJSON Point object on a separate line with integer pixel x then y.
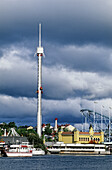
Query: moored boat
{"type": "Point", "coordinates": [79, 149]}
{"type": "Point", "coordinates": [19, 151]}
{"type": "Point", "coordinates": [37, 151]}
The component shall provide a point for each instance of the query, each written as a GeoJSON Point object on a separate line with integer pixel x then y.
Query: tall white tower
{"type": "Point", "coordinates": [40, 53]}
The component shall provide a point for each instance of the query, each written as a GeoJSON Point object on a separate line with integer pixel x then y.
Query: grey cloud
{"type": "Point", "coordinates": [17, 107]}
{"type": "Point", "coordinates": [82, 58]}
{"type": "Point", "coordinates": [73, 22]}
{"type": "Point", "coordinates": [24, 110]}
{"type": "Point", "coordinates": [60, 83]}
{"type": "Point", "coordinates": [19, 75]}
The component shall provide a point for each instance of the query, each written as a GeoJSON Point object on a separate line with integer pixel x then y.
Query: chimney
{"type": "Point", "coordinates": [56, 128]}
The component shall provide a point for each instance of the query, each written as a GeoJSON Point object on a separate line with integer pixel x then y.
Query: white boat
{"type": "Point", "coordinates": [78, 149]}
{"type": "Point", "coordinates": [19, 151]}
{"type": "Point", "coordinates": [37, 151]}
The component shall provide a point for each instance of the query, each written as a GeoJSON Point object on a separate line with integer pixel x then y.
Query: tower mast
{"type": "Point", "coordinates": [40, 52]}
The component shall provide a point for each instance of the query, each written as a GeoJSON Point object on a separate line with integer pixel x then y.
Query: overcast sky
{"type": "Point", "coordinates": [77, 68]}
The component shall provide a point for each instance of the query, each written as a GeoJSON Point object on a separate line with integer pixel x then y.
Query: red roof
{"type": "Point", "coordinates": [56, 118]}
{"type": "Point", "coordinates": [43, 125]}
{"type": "Point", "coordinates": [67, 125]}
{"type": "Point", "coordinates": [83, 132]}
{"type": "Point", "coordinates": [67, 133]}
{"type": "Point", "coordinates": [97, 133]}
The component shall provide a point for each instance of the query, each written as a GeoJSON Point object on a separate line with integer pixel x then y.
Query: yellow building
{"type": "Point", "coordinates": [81, 137]}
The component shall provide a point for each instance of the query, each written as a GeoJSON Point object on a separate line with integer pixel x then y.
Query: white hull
{"type": "Point", "coordinates": [37, 152]}
{"type": "Point", "coordinates": [21, 150]}
{"type": "Point", "coordinates": [79, 149]}
{"type": "Point", "coordinates": [19, 154]}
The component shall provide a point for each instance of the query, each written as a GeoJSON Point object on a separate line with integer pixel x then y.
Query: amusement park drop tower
{"type": "Point", "coordinates": [40, 53]}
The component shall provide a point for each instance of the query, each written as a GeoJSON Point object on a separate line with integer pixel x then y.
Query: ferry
{"type": "Point", "coordinates": [79, 149]}
{"type": "Point", "coordinates": [23, 150]}
{"type": "Point", "coordinates": [19, 151]}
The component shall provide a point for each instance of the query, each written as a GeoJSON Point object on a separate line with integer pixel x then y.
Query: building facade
{"type": "Point", "coordinates": [81, 137]}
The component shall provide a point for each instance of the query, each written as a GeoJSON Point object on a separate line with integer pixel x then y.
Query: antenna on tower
{"type": "Point", "coordinates": [39, 35]}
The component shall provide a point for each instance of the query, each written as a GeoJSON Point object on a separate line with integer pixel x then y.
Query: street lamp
{"type": "Point", "coordinates": [94, 114]}
{"type": "Point", "coordinates": [102, 118]}
{"type": "Point", "coordinates": [109, 121]}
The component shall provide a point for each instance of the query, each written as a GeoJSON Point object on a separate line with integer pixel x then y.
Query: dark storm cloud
{"type": "Point", "coordinates": [62, 118]}
{"type": "Point", "coordinates": [23, 110]}
{"type": "Point", "coordinates": [18, 72]}
{"type": "Point", "coordinates": [17, 106]}
{"type": "Point", "coordinates": [81, 58]}
{"type": "Point", "coordinates": [61, 83]}
{"type": "Point", "coordinates": [76, 21]}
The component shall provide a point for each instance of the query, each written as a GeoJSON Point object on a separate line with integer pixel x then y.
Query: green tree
{"type": "Point", "coordinates": [12, 124]}
{"type": "Point", "coordinates": [22, 132]}
{"type": "Point", "coordinates": [1, 132]}
{"type": "Point", "coordinates": [56, 136]}
{"type": "Point", "coordinates": [36, 141]}
{"type": "Point", "coordinates": [48, 131]}
{"type": "Point", "coordinates": [4, 125]}
{"type": "Point", "coordinates": [65, 130]}
{"type": "Point", "coordinates": [31, 131]}
{"type": "Point", "coordinates": [25, 132]}
{"type": "Point", "coordinates": [59, 129]}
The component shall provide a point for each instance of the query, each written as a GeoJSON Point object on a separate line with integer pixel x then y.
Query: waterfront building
{"type": "Point", "coordinates": [70, 128]}
{"type": "Point", "coordinates": [12, 139]}
{"type": "Point", "coordinates": [81, 137]}
{"type": "Point", "coordinates": [30, 127]}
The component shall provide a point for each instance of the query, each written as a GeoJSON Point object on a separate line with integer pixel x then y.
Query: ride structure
{"type": "Point", "coordinates": [40, 53]}
{"type": "Point", "coordinates": [98, 121]}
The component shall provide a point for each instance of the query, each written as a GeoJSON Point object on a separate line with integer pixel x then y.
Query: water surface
{"type": "Point", "coordinates": [54, 162]}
